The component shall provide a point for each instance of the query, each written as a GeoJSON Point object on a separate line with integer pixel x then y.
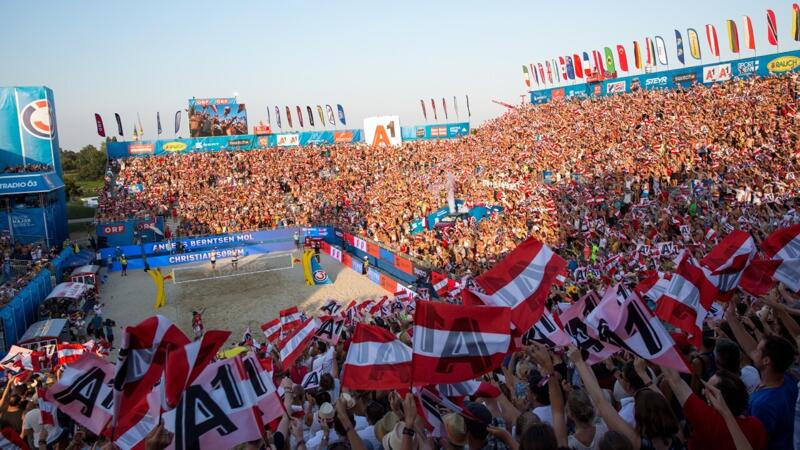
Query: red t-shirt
{"type": "Point", "coordinates": [709, 429]}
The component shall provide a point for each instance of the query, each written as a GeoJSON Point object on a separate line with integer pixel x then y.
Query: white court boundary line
{"type": "Point", "coordinates": [239, 274]}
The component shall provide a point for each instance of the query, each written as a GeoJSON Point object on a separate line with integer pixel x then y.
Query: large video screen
{"type": "Point", "coordinates": [217, 117]}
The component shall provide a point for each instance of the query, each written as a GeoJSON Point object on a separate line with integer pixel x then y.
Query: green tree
{"type": "Point", "coordinates": [72, 188]}
{"type": "Point", "coordinates": [69, 160]}
{"type": "Point", "coordinates": [91, 162]}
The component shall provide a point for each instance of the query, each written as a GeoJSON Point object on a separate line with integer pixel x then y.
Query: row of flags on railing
{"type": "Point", "coordinates": [324, 119]}
{"type": "Point", "coordinates": [444, 108]}
{"type": "Point", "coordinates": [651, 53]}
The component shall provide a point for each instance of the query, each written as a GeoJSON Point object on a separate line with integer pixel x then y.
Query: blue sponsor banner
{"type": "Point", "coordinates": [437, 131]}
{"type": "Point", "coordinates": [436, 216]}
{"type": "Point", "coordinates": [29, 183]}
{"type": "Point", "coordinates": [27, 223]}
{"type": "Point", "coordinates": [358, 266]}
{"type": "Point", "coordinates": [766, 65]}
{"type": "Point", "coordinates": [417, 226]}
{"type": "Point", "coordinates": [28, 131]}
{"type": "Point", "coordinates": [280, 239]}
{"type": "Point", "coordinates": [386, 255]}
{"type": "Point", "coordinates": [195, 257]}
{"type": "Point", "coordinates": [374, 275]}
{"type": "Point", "coordinates": [481, 212]}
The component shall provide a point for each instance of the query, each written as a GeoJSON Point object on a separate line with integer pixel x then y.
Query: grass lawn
{"type": "Point", "coordinates": [89, 188]}
{"type": "Point", "coordinates": [77, 210]}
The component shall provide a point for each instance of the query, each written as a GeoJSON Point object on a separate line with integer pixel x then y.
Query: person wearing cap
{"type": "Point", "coordinates": [478, 436]}
{"type": "Point", "coordinates": [455, 430]}
{"type": "Point", "coordinates": [325, 417]}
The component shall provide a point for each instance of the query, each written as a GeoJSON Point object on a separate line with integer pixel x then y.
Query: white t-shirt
{"type": "Point", "coordinates": [599, 430]}
{"type": "Point", "coordinates": [626, 411]}
{"type": "Point", "coordinates": [33, 421]}
{"type": "Point", "coordinates": [368, 436]}
{"type": "Point", "coordinates": [324, 362]}
{"type": "Point", "coordinates": [545, 414]}
{"type": "Point", "coordinates": [313, 443]}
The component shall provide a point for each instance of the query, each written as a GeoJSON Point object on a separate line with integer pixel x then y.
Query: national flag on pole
{"type": "Point", "coordinates": [622, 57]}
{"type": "Point", "coordinates": [694, 43]}
{"type": "Point", "coordinates": [610, 66]}
{"type": "Point", "coordinates": [290, 319]}
{"type": "Point", "coordinates": [726, 262]}
{"type": "Point", "coordinates": [747, 32]}
{"type": "Point", "coordinates": [119, 123]}
{"type": "Point", "coordinates": [637, 55]}
{"type": "Point", "coordinates": [713, 42]}
{"type": "Point", "coordinates": [795, 21]}
{"type": "Point", "coordinates": [650, 57]}
{"type": "Point", "coordinates": [68, 353]}
{"type": "Point", "coordinates": [598, 62]}
{"type": "Point", "coordinates": [679, 45]}
{"type": "Point", "coordinates": [141, 360]}
{"type": "Point", "coordinates": [454, 343]}
{"type": "Point", "coordinates": [549, 72]}
{"type": "Point", "coordinates": [293, 345]}
{"type": "Point", "coordinates": [688, 299]}
{"type": "Point", "coordinates": [272, 329]}
{"type": "Point", "coordinates": [622, 319]}
{"type": "Point", "coordinates": [733, 36]}
{"type": "Point", "coordinates": [570, 68]}
{"type": "Point", "coordinates": [522, 281]}
{"type": "Point", "coordinates": [772, 28]}
{"type": "Point", "coordinates": [783, 246]}
{"type": "Point", "coordinates": [101, 130]}
{"type": "Point", "coordinates": [563, 66]}
{"type": "Point", "coordinates": [525, 76]}
{"type": "Point", "coordinates": [578, 66]}
{"type": "Point", "coordinates": [158, 122]}
{"type": "Point", "coordinates": [376, 360]}
{"type": "Point", "coordinates": [185, 364]}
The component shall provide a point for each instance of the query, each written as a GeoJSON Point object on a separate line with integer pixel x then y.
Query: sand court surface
{"type": "Point", "coordinates": [233, 299]}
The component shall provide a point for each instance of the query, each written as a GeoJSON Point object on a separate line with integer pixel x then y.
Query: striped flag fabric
{"type": "Point", "coordinates": [726, 262]}
{"type": "Point", "coordinates": [455, 343]}
{"type": "Point", "coordinates": [713, 42]}
{"type": "Point", "coordinates": [772, 28]}
{"type": "Point", "coordinates": [563, 66]}
{"type": "Point", "coordinates": [694, 43]}
{"type": "Point", "coordinates": [525, 76]}
{"type": "Point", "coordinates": [290, 319]}
{"type": "Point", "coordinates": [293, 345]}
{"type": "Point", "coordinates": [578, 66]}
{"type": "Point", "coordinates": [650, 57]}
{"type": "Point", "coordinates": [688, 299]}
{"type": "Point", "coordinates": [10, 439]}
{"type": "Point", "coordinates": [471, 388]}
{"type": "Point", "coordinates": [783, 246]}
{"type": "Point", "coordinates": [587, 69]}
{"type": "Point", "coordinates": [549, 72]}
{"type": "Point", "coordinates": [376, 360]}
{"type": "Point", "coordinates": [272, 329]}
{"type": "Point", "coordinates": [733, 36]}
{"type": "Point", "coordinates": [186, 363]}
{"type": "Point", "coordinates": [653, 286]}
{"type": "Point", "coordinates": [522, 281]}
{"type": "Point", "coordinates": [598, 62]}
{"type": "Point", "coordinates": [637, 55]}
{"type": "Point", "coordinates": [622, 57]}
{"type": "Point", "coordinates": [69, 353]}
{"type": "Point", "coordinates": [46, 408]}
{"type": "Point", "coordinates": [141, 360]}
{"type": "Point", "coordinates": [747, 32]}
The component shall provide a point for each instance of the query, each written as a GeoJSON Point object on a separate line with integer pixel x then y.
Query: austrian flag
{"type": "Point", "coordinates": [455, 343]}
{"type": "Point", "coordinates": [522, 281]}
{"type": "Point", "coordinates": [376, 360]}
{"type": "Point", "coordinates": [783, 246]}
{"type": "Point", "coordinates": [293, 345]}
{"type": "Point", "coordinates": [272, 329]}
{"type": "Point", "coordinates": [687, 300]}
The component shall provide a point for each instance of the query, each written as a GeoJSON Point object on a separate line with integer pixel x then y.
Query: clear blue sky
{"type": "Point", "coordinates": [373, 57]}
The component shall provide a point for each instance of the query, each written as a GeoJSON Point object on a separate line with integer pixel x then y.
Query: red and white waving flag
{"type": "Point", "coordinates": [454, 343]}
{"type": "Point", "coordinates": [272, 329]}
{"type": "Point", "coordinates": [653, 286]}
{"type": "Point", "coordinates": [12, 360]}
{"type": "Point", "coordinates": [290, 319]}
{"type": "Point", "coordinates": [728, 259]}
{"type": "Point", "coordinates": [185, 364]}
{"type": "Point", "coordinates": [46, 409]}
{"type": "Point", "coordinates": [471, 388]}
{"type": "Point", "coordinates": [377, 360]}
{"type": "Point", "coordinates": [84, 393]}
{"type": "Point", "coordinates": [292, 346]}
{"type": "Point", "coordinates": [142, 356]}
{"type": "Point", "coordinates": [10, 439]}
{"type": "Point", "coordinates": [548, 331]}
{"type": "Point", "coordinates": [783, 246]}
{"type": "Point", "coordinates": [228, 404]}
{"type": "Point", "coordinates": [132, 431]}
{"type": "Point", "coordinates": [586, 338]}
{"type": "Point", "coordinates": [69, 353]}
{"type": "Point", "coordinates": [688, 299]}
{"type": "Point", "coordinates": [522, 281]}
{"type": "Point", "coordinates": [622, 319]}
{"type": "Point", "coordinates": [442, 285]}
